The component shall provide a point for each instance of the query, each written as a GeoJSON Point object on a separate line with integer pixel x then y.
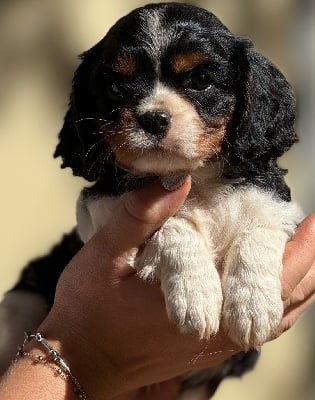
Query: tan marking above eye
{"type": "Point", "coordinates": [125, 64]}
{"type": "Point", "coordinates": [185, 62]}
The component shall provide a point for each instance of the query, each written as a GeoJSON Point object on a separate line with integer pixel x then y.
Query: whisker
{"type": "Point", "coordinates": [100, 160]}
{"type": "Point", "coordinates": [104, 122]}
{"type": "Point", "coordinates": [94, 164]}
{"type": "Point", "coordinates": [84, 119]}
{"type": "Point", "coordinates": [116, 109]}
{"type": "Point", "coordinates": [94, 145]}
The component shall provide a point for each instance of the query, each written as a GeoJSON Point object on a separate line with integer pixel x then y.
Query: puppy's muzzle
{"type": "Point", "coordinates": [156, 123]}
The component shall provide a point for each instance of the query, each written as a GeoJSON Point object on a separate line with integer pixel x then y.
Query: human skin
{"type": "Point", "coordinates": [112, 328]}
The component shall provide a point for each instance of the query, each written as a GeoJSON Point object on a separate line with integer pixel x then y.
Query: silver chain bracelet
{"type": "Point", "coordinates": [61, 369]}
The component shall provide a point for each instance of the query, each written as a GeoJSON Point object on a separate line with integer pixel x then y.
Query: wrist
{"type": "Point", "coordinates": [98, 377]}
{"type": "Point", "coordinates": [35, 381]}
{"type": "Point", "coordinates": [50, 358]}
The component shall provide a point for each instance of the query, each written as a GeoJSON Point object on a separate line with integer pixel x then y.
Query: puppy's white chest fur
{"type": "Point", "coordinates": [237, 232]}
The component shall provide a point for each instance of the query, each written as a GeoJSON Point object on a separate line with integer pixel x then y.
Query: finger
{"type": "Point", "coordinates": [299, 256]}
{"type": "Point", "coordinates": [137, 217]}
{"type": "Point", "coordinates": [293, 314]}
{"type": "Point", "coordinates": [303, 290]}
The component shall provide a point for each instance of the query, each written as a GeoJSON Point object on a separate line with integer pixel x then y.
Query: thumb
{"type": "Point", "coordinates": [139, 214]}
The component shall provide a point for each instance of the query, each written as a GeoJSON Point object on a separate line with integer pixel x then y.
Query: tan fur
{"type": "Point", "coordinates": [126, 64]}
{"type": "Point", "coordinates": [185, 62]}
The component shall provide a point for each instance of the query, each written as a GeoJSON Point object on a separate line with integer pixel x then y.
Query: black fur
{"type": "Point", "coordinates": [41, 275]}
{"type": "Point", "coordinates": [260, 130]}
{"type": "Point", "coordinates": [262, 127]}
{"type": "Point", "coordinates": [235, 366]}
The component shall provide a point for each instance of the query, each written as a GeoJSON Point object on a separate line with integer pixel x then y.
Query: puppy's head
{"type": "Point", "coordinates": [168, 89]}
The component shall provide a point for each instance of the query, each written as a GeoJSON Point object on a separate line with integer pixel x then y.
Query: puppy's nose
{"type": "Point", "coordinates": [155, 122]}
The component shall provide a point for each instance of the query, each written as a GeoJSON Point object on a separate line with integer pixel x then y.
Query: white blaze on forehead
{"type": "Point", "coordinates": [162, 98]}
{"type": "Point", "coordinates": [155, 37]}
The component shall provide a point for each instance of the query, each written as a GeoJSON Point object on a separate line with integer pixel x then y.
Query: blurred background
{"type": "Point", "coordinates": [39, 44]}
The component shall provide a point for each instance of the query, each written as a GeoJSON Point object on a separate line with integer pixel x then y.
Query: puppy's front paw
{"type": "Point", "coordinates": [178, 258]}
{"type": "Point", "coordinates": [194, 304]}
{"type": "Point", "coordinates": [251, 314]}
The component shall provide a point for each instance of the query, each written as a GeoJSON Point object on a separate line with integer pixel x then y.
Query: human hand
{"type": "Point", "coordinates": [298, 280]}
{"type": "Point", "coordinates": [114, 330]}
{"type": "Point", "coordinates": [112, 327]}
{"type": "Point", "coordinates": [298, 283]}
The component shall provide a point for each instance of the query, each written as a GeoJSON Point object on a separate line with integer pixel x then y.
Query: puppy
{"type": "Point", "coordinates": [179, 94]}
{"type": "Point", "coordinates": [171, 92]}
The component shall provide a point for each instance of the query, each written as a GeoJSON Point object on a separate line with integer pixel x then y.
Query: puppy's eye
{"type": "Point", "coordinates": [200, 79]}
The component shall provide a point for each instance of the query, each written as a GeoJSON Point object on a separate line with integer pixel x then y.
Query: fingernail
{"type": "Point", "coordinates": [173, 182]}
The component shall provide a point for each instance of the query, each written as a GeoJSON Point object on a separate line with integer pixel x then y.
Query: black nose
{"type": "Point", "coordinates": [155, 122]}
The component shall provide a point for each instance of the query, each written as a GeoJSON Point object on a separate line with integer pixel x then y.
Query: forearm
{"type": "Point", "coordinates": [27, 380]}
{"type": "Point", "coordinates": [41, 369]}
{"type": "Point", "coordinates": [42, 372]}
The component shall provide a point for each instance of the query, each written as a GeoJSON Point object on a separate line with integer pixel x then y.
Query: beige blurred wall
{"type": "Point", "coordinates": [39, 42]}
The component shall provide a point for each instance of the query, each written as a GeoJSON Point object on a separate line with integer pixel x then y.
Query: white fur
{"type": "Point", "coordinates": [20, 311]}
{"type": "Point", "coordinates": [159, 38]}
{"type": "Point", "coordinates": [92, 214]}
{"type": "Point", "coordinates": [237, 231]}
{"type": "Point", "coordinates": [175, 151]}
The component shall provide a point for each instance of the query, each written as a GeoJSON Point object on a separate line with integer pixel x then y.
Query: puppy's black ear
{"type": "Point", "coordinates": [70, 146]}
{"type": "Point", "coordinates": [263, 123]}
{"type": "Point", "coordinates": [79, 125]}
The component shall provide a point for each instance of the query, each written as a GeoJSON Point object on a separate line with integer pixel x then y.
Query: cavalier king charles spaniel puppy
{"type": "Point", "coordinates": [171, 92]}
